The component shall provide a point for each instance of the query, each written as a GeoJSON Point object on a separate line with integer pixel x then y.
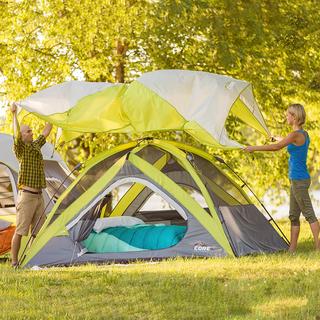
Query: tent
{"type": "Point", "coordinates": [57, 176]}
{"type": "Point", "coordinates": [6, 234]}
{"type": "Point", "coordinates": [225, 221]}
{"type": "Point", "coordinates": [206, 212]}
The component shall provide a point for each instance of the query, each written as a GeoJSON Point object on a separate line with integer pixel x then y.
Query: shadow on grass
{"type": "Point", "coordinates": [4, 258]}
{"type": "Point", "coordinates": [306, 246]}
{"type": "Point", "coordinates": [147, 294]}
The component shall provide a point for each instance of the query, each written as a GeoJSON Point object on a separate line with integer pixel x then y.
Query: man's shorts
{"type": "Point", "coordinates": [30, 210]}
{"type": "Point", "coordinates": [300, 202]}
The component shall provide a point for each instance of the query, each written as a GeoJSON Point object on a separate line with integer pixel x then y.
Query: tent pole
{"type": "Point", "coordinates": [190, 158]}
{"type": "Point", "coordinates": [245, 184]}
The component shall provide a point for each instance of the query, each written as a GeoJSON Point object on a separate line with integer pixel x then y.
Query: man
{"type": "Point", "coordinates": [31, 181]}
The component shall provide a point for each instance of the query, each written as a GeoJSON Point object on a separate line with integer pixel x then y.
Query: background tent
{"type": "Point", "coordinates": [191, 101]}
{"type": "Point", "coordinates": [56, 172]}
{"type": "Point", "coordinates": [6, 233]}
{"type": "Point", "coordinates": [227, 223]}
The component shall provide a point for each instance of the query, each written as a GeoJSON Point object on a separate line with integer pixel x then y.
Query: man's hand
{"type": "Point", "coordinates": [47, 129]}
{"type": "Point", "coordinates": [13, 107]}
{"type": "Point", "coordinates": [15, 122]}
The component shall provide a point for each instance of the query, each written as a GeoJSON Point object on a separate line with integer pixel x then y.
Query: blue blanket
{"type": "Point", "coordinates": [134, 238]}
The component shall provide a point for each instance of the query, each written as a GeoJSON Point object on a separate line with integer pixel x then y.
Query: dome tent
{"type": "Point", "coordinates": [56, 172]}
{"type": "Point", "coordinates": [228, 223]}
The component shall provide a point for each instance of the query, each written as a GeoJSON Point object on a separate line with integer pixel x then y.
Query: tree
{"type": "Point", "coordinates": [275, 46]}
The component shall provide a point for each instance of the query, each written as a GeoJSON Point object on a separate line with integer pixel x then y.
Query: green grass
{"type": "Point", "coordinates": [278, 286]}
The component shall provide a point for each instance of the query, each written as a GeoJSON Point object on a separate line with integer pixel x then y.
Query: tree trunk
{"type": "Point", "coordinates": [122, 48]}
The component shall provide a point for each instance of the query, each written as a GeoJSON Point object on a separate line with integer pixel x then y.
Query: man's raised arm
{"type": "Point", "coordinates": [16, 126]}
{"type": "Point", "coordinates": [47, 129]}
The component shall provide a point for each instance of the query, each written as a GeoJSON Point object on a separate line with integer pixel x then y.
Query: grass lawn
{"type": "Point", "coordinates": [278, 286]}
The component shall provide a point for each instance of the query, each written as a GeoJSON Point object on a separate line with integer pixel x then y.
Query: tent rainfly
{"type": "Point", "coordinates": [191, 101]}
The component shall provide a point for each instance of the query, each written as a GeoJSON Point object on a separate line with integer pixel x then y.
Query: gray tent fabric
{"type": "Point", "coordinates": [250, 231]}
{"type": "Point", "coordinates": [197, 242]}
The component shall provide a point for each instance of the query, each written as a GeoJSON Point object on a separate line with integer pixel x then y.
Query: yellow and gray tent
{"type": "Point", "coordinates": [207, 213]}
{"type": "Point", "coordinates": [167, 100]}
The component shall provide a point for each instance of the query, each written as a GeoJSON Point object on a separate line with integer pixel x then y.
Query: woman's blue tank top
{"type": "Point", "coordinates": [298, 159]}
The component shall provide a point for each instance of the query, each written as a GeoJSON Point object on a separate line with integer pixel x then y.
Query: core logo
{"type": "Point", "coordinates": [202, 247]}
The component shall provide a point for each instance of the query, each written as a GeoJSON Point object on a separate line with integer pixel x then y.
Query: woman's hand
{"type": "Point", "coordinates": [249, 149]}
{"type": "Point", "coordinates": [276, 138]}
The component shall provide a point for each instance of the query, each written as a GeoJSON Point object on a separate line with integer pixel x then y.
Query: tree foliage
{"type": "Point", "coordinates": [273, 45]}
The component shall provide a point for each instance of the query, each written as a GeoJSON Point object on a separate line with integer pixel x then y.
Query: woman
{"type": "Point", "coordinates": [297, 143]}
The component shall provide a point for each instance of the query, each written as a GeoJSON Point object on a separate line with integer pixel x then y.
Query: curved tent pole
{"type": "Point", "coordinates": [256, 197]}
{"type": "Point", "coordinates": [206, 156]}
{"type": "Point", "coordinates": [190, 158]}
{"type": "Point", "coordinates": [124, 202]}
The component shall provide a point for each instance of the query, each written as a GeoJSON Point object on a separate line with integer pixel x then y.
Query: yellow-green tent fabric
{"type": "Point", "coordinates": [166, 100]}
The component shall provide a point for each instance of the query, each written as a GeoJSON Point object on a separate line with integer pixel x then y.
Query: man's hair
{"type": "Point", "coordinates": [298, 111]}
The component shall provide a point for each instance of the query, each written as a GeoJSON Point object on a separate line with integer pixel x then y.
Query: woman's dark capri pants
{"type": "Point", "coordinates": [300, 202]}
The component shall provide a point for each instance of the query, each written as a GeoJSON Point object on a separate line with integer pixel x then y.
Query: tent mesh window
{"type": "Point", "coordinates": [86, 223]}
{"type": "Point", "coordinates": [86, 181]}
{"type": "Point", "coordinates": [54, 188]}
{"type": "Point", "coordinates": [152, 208]}
{"type": "Point", "coordinates": [155, 209]}
{"type": "Point", "coordinates": [179, 175]}
{"type": "Point", "coordinates": [172, 170]}
{"type": "Point", "coordinates": [225, 191]}
{"type": "Point", "coordinates": [151, 154]}
{"type": "Point", "coordinates": [57, 179]}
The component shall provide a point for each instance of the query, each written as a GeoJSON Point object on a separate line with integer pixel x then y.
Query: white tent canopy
{"type": "Point", "coordinates": [61, 97]}
{"type": "Point", "coordinates": [195, 102]}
